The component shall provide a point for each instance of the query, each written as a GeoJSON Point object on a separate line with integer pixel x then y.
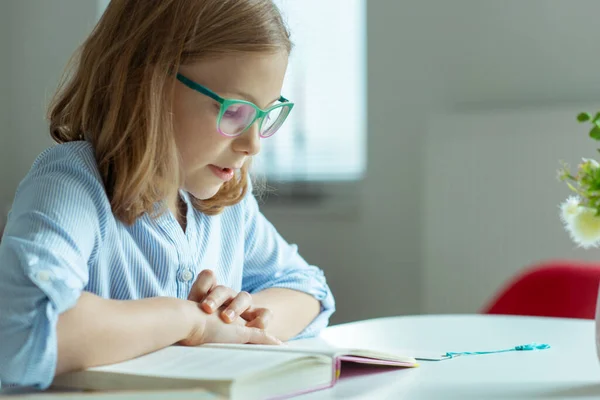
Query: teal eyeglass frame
{"type": "Point", "coordinates": [225, 103]}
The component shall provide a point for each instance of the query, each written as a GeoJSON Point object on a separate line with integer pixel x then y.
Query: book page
{"type": "Point", "coordinates": [385, 352]}
{"type": "Point", "coordinates": [322, 346]}
{"type": "Point", "coordinates": [202, 363]}
{"type": "Point", "coordinates": [306, 347]}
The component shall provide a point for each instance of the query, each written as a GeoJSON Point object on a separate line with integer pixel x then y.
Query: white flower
{"type": "Point", "coordinates": [569, 209]}
{"type": "Point", "coordinates": [583, 225]}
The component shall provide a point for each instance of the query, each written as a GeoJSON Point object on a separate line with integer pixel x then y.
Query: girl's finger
{"type": "Point", "coordinates": [260, 336]}
{"type": "Point", "coordinates": [204, 283]}
{"type": "Point", "coordinates": [241, 303]}
{"type": "Point", "coordinates": [258, 317]}
{"type": "Point", "coordinates": [220, 295]}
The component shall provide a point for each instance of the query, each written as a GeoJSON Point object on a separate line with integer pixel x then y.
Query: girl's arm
{"type": "Point", "coordinates": [292, 310]}
{"type": "Point", "coordinates": [52, 232]}
{"type": "Point", "coordinates": [281, 280]}
{"type": "Point", "coordinates": [100, 331]}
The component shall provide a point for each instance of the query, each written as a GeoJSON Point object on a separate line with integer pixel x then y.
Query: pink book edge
{"type": "Point", "coordinates": [337, 368]}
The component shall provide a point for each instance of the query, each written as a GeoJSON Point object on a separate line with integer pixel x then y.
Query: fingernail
{"type": "Point", "coordinates": [209, 303]}
{"type": "Point", "coordinates": [230, 314]}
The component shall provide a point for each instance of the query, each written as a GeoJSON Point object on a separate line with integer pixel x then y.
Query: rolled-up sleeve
{"type": "Point", "coordinates": [272, 262]}
{"type": "Point", "coordinates": [52, 230]}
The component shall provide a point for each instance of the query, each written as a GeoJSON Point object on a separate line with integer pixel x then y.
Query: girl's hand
{"type": "Point", "coordinates": [209, 328]}
{"type": "Point", "coordinates": [231, 305]}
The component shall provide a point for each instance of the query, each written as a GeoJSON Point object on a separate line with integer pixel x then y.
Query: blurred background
{"type": "Point", "coordinates": [418, 170]}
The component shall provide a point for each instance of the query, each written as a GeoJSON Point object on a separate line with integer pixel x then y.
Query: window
{"type": "Point", "coordinates": [324, 138]}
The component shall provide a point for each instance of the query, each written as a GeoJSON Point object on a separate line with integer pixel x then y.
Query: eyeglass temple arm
{"type": "Point", "coordinates": [199, 88]}
{"type": "Point", "coordinates": [193, 85]}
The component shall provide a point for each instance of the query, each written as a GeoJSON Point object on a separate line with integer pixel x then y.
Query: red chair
{"type": "Point", "coordinates": [567, 289]}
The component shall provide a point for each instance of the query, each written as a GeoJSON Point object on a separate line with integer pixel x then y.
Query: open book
{"type": "Point", "coordinates": [233, 371]}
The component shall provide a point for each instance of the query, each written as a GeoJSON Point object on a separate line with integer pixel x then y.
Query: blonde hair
{"type": "Point", "coordinates": [118, 90]}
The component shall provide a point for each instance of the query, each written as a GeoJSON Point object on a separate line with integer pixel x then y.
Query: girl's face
{"type": "Point", "coordinates": [209, 159]}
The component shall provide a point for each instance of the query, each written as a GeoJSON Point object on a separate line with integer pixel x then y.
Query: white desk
{"type": "Point", "coordinates": [568, 370]}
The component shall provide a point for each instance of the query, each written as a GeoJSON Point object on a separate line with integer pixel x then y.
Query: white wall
{"type": "Point", "coordinates": [491, 199]}
{"type": "Point", "coordinates": [41, 37]}
{"type": "Point", "coordinates": [424, 56]}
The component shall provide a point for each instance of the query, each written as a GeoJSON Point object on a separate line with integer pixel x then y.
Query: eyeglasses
{"type": "Point", "coordinates": [236, 116]}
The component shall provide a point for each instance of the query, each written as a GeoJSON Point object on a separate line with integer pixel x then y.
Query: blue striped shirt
{"type": "Point", "coordinates": [62, 238]}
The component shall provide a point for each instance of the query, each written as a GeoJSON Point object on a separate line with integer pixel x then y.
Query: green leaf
{"type": "Point", "coordinates": [595, 133]}
{"type": "Point", "coordinates": [582, 117]}
{"type": "Point", "coordinates": [596, 117]}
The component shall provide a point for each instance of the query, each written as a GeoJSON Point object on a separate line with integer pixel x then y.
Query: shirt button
{"type": "Point", "coordinates": [187, 275]}
{"type": "Point", "coordinates": [44, 275]}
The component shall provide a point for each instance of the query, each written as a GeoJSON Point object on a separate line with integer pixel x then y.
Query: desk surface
{"type": "Point", "coordinates": [569, 369]}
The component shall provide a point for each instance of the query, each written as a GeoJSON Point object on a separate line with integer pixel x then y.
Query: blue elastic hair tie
{"type": "Point", "coordinates": [524, 347]}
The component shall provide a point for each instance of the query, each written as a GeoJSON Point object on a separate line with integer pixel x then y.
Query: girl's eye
{"type": "Point", "coordinates": [232, 111]}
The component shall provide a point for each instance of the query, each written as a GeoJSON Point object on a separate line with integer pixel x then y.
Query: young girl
{"type": "Point", "coordinates": [139, 230]}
